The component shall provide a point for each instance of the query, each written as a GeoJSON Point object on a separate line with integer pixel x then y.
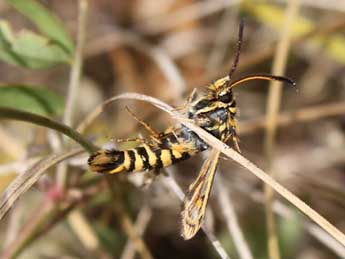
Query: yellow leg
{"type": "Point", "coordinates": [190, 99]}
{"type": "Point", "coordinates": [154, 134]}
{"type": "Point", "coordinates": [235, 140]}
{"type": "Point", "coordinates": [141, 140]}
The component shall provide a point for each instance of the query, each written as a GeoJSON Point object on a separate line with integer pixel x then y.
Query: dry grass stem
{"type": "Point", "coordinates": [126, 222]}
{"type": "Point", "coordinates": [25, 180]}
{"type": "Point", "coordinates": [172, 184]}
{"type": "Point", "coordinates": [143, 219]}
{"type": "Point", "coordinates": [273, 106]}
{"type": "Point", "coordinates": [302, 115]}
{"type": "Point", "coordinates": [74, 81]}
{"type": "Point", "coordinates": [286, 212]}
{"type": "Point", "coordinates": [82, 228]}
{"type": "Point", "coordinates": [75, 74]}
{"type": "Point", "coordinates": [231, 220]}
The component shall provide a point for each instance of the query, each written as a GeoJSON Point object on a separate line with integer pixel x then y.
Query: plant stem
{"type": "Point", "coordinates": [13, 114]}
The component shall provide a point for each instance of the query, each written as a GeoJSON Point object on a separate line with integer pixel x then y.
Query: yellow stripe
{"type": "Point", "coordinates": [139, 164]}
{"type": "Point", "coordinates": [126, 161]}
{"type": "Point", "coordinates": [176, 154]}
{"type": "Point", "coordinates": [232, 109]}
{"type": "Point", "coordinates": [152, 156]}
{"type": "Point", "coordinates": [166, 157]}
{"type": "Point", "coordinates": [222, 127]}
{"type": "Point", "coordinates": [118, 169]}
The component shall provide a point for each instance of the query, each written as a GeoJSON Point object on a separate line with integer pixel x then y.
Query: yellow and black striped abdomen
{"type": "Point", "coordinates": [141, 158]}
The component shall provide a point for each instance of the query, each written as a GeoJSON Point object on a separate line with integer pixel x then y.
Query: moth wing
{"type": "Point", "coordinates": [194, 206]}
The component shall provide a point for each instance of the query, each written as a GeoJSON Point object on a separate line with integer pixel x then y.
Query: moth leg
{"type": "Point", "coordinates": [191, 97]}
{"type": "Point", "coordinates": [155, 135]}
{"type": "Point", "coordinates": [140, 140]}
{"type": "Point", "coordinates": [235, 140]}
{"type": "Point", "coordinates": [150, 177]}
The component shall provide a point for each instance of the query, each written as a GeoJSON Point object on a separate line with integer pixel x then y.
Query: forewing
{"type": "Point", "coordinates": [194, 206]}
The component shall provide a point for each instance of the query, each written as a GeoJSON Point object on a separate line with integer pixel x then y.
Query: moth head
{"type": "Point", "coordinates": [225, 95]}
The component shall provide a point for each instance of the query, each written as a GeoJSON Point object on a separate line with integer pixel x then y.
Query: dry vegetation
{"type": "Point", "coordinates": [165, 49]}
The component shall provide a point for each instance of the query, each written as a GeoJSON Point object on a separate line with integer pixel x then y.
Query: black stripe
{"type": "Point", "coordinates": [174, 160]}
{"type": "Point", "coordinates": [159, 163]}
{"type": "Point", "coordinates": [202, 104]}
{"type": "Point", "coordinates": [185, 156]}
{"type": "Point", "coordinates": [215, 133]}
{"type": "Point", "coordinates": [144, 156]}
{"type": "Point", "coordinates": [131, 155]}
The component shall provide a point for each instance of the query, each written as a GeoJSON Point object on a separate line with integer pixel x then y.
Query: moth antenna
{"type": "Point", "coordinates": [263, 77]}
{"type": "Point", "coordinates": [238, 52]}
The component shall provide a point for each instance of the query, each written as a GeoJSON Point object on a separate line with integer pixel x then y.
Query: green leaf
{"type": "Point", "coordinates": [28, 49]}
{"type": "Point", "coordinates": [6, 52]}
{"type": "Point", "coordinates": [36, 100]}
{"type": "Point", "coordinates": [47, 23]}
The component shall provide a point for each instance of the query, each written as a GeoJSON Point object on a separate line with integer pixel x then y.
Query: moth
{"type": "Point", "coordinates": [214, 110]}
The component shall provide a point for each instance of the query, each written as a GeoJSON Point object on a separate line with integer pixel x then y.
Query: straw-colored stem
{"type": "Point", "coordinates": [230, 216]}
{"type": "Point", "coordinates": [74, 82]}
{"type": "Point", "coordinates": [273, 106]}
{"type": "Point", "coordinates": [12, 114]}
{"type": "Point", "coordinates": [143, 219]}
{"type": "Point", "coordinates": [126, 222]}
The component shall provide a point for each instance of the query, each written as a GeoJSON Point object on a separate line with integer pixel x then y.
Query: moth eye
{"type": "Point", "coordinates": [225, 98]}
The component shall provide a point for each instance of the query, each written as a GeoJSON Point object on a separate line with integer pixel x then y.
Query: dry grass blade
{"type": "Point", "coordinates": [143, 219]}
{"type": "Point", "coordinates": [100, 108]}
{"type": "Point", "coordinates": [287, 212]}
{"type": "Point", "coordinates": [303, 115]}
{"type": "Point", "coordinates": [127, 224]}
{"type": "Point", "coordinates": [74, 81]}
{"type": "Point", "coordinates": [231, 219]}
{"type": "Point", "coordinates": [76, 65]}
{"type": "Point", "coordinates": [172, 184]}
{"type": "Point", "coordinates": [273, 106]}
{"type": "Point", "coordinates": [24, 181]}
{"type": "Point", "coordinates": [229, 152]}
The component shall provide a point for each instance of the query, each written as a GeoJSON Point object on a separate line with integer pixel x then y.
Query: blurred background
{"type": "Point", "coordinates": [165, 49]}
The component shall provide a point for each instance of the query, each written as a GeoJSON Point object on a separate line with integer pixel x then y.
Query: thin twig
{"type": "Point", "coordinates": [74, 81]}
{"type": "Point", "coordinates": [172, 184]}
{"type": "Point", "coordinates": [24, 181]}
{"type": "Point", "coordinates": [302, 115]}
{"type": "Point", "coordinates": [231, 218]}
{"type": "Point", "coordinates": [13, 114]}
{"type": "Point", "coordinates": [143, 219]}
{"type": "Point", "coordinates": [83, 230]}
{"type": "Point", "coordinates": [273, 106]}
{"type": "Point", "coordinates": [286, 212]}
{"type": "Point", "coordinates": [75, 74]}
{"type": "Point", "coordinates": [28, 233]}
{"type": "Point", "coordinates": [126, 222]}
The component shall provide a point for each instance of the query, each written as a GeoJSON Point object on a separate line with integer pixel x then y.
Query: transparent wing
{"type": "Point", "coordinates": [194, 206]}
